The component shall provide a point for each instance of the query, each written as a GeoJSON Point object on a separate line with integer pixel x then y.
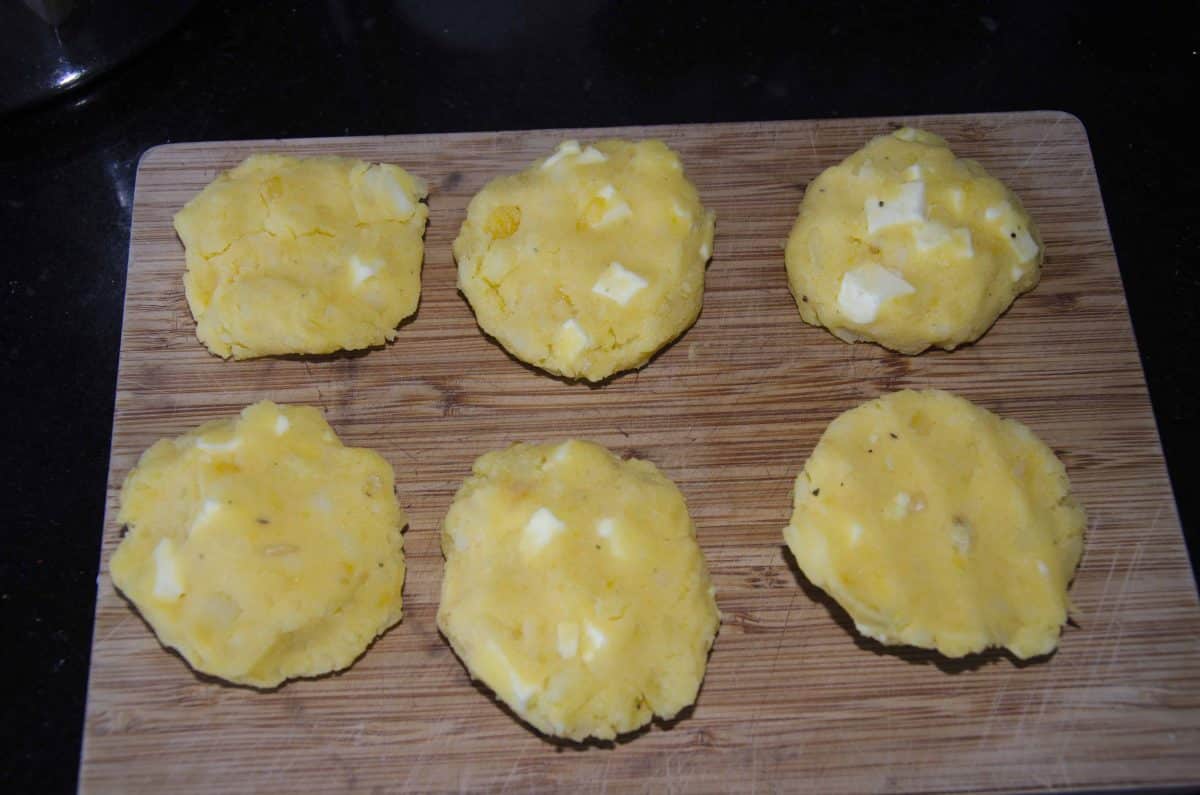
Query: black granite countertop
{"type": "Point", "coordinates": [236, 70]}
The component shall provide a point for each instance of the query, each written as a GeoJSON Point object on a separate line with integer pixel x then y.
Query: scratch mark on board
{"type": "Point", "coordinates": [1034, 152]}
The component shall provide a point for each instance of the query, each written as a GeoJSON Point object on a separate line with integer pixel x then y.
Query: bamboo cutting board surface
{"type": "Point", "coordinates": [793, 698]}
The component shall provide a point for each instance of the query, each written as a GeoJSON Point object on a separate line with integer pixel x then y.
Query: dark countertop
{"type": "Point", "coordinates": [279, 69]}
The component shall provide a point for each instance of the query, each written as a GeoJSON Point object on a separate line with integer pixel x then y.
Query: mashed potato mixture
{"type": "Point", "coordinates": [936, 523]}
{"type": "Point", "coordinates": [292, 256]}
{"type": "Point", "coordinates": [589, 261]}
{"type": "Point", "coordinates": [574, 588]}
{"type": "Point", "coordinates": [906, 245]}
{"type": "Point", "coordinates": [260, 548]}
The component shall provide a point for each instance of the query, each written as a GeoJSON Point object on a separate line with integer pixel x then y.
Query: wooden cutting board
{"type": "Point", "coordinates": [793, 699]}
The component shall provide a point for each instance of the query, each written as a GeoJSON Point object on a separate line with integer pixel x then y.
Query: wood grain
{"type": "Point", "coordinates": [793, 700]}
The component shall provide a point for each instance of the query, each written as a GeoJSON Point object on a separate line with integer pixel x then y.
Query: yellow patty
{"type": "Point", "coordinates": [936, 523]}
{"type": "Point", "coordinates": [906, 245]}
{"type": "Point", "coordinates": [303, 256]}
{"type": "Point", "coordinates": [575, 589]}
{"type": "Point", "coordinates": [589, 261]}
{"type": "Point", "coordinates": [260, 548]}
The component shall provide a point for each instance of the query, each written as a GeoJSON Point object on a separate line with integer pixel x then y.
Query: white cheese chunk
{"type": "Point", "coordinates": [616, 208]}
{"type": "Point", "coordinates": [899, 507]}
{"type": "Point", "coordinates": [596, 640]}
{"type": "Point", "coordinates": [856, 532]}
{"type": "Point", "coordinates": [561, 452]}
{"type": "Point", "coordinates": [497, 264]}
{"type": "Point", "coordinates": [960, 537]}
{"type": "Point", "coordinates": [591, 155]}
{"type": "Point", "coordinates": [680, 213]}
{"type": "Point", "coordinates": [1019, 239]}
{"type": "Point", "coordinates": [906, 134]}
{"type": "Point", "coordinates": [865, 289]}
{"type": "Point", "coordinates": [605, 527]}
{"type": "Point", "coordinates": [382, 181]}
{"type": "Point", "coordinates": [1017, 273]}
{"type": "Point", "coordinates": [619, 284]}
{"type": "Point", "coordinates": [704, 251]}
{"type": "Point", "coordinates": [168, 579]}
{"type": "Point", "coordinates": [539, 531]}
{"type": "Point", "coordinates": [908, 207]}
{"type": "Point", "coordinates": [961, 237]}
{"type": "Point", "coordinates": [568, 639]}
{"type": "Point", "coordinates": [227, 446]}
{"type": "Point", "coordinates": [208, 510]}
{"type": "Point", "coordinates": [619, 211]}
{"type": "Point", "coordinates": [597, 637]}
{"type": "Point", "coordinates": [281, 425]}
{"type": "Point", "coordinates": [496, 663]}
{"type": "Point", "coordinates": [522, 690]}
{"type": "Point", "coordinates": [571, 340]}
{"type": "Point", "coordinates": [565, 149]}
{"type": "Point", "coordinates": [930, 235]}
{"type": "Point", "coordinates": [1023, 244]}
{"type": "Point", "coordinates": [955, 198]}
{"type": "Point", "coordinates": [361, 271]}
{"type": "Point", "coordinates": [913, 173]}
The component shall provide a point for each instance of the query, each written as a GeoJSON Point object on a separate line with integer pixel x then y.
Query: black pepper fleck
{"type": "Point", "coordinates": [894, 436]}
{"type": "Point", "coordinates": [1013, 235]}
{"type": "Point", "coordinates": [816, 492]}
{"type": "Point", "coordinates": [881, 203]}
{"type": "Point", "coordinates": [804, 298]}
